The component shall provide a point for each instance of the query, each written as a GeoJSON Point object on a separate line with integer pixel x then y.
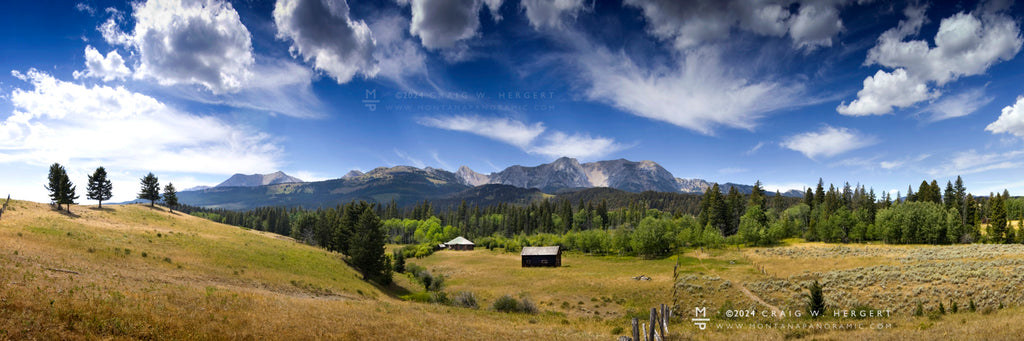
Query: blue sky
{"type": "Point", "coordinates": [884, 94]}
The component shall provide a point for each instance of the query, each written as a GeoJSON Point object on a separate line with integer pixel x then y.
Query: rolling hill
{"type": "Point", "coordinates": [132, 272]}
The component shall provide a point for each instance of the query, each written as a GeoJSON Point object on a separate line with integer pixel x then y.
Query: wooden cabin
{"type": "Point", "coordinates": [542, 256]}
{"type": "Point", "coordinates": [459, 244]}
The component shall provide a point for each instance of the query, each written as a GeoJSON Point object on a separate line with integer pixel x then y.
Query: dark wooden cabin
{"type": "Point", "coordinates": [542, 256]}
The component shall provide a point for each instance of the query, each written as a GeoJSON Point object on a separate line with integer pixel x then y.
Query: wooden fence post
{"type": "Point", "coordinates": [664, 320]}
{"type": "Point", "coordinates": [636, 329]}
{"type": "Point", "coordinates": [654, 320]}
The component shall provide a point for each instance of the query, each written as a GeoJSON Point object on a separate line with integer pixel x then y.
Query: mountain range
{"type": "Point", "coordinates": [408, 185]}
{"type": "Point", "coordinates": [242, 180]}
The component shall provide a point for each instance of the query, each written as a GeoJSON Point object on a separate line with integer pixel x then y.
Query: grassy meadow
{"type": "Point", "coordinates": [134, 272]}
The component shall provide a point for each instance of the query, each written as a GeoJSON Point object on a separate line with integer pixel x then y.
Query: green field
{"type": "Point", "coordinates": [135, 272]}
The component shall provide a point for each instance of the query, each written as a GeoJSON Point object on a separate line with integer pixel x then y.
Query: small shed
{"type": "Point", "coordinates": [460, 243]}
{"type": "Point", "coordinates": [542, 256]}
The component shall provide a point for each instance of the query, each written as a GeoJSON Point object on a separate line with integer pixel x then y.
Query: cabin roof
{"type": "Point", "coordinates": [541, 250]}
{"type": "Point", "coordinates": [459, 241]}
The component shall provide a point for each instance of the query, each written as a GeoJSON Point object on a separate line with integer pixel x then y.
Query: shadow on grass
{"type": "Point", "coordinates": [102, 209]}
{"type": "Point", "coordinates": [65, 213]}
{"type": "Point", "coordinates": [393, 290]}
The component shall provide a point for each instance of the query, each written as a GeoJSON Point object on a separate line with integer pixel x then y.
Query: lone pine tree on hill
{"type": "Point", "coordinates": [150, 189]}
{"type": "Point", "coordinates": [367, 248]}
{"type": "Point", "coordinates": [99, 188]}
{"type": "Point", "coordinates": [62, 191]}
{"type": "Point", "coordinates": [170, 196]}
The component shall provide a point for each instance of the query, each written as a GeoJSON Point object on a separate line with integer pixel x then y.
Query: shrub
{"type": "Point", "coordinates": [919, 311]}
{"type": "Point", "coordinates": [617, 330]}
{"type": "Point", "coordinates": [465, 299]}
{"type": "Point", "coordinates": [953, 307]}
{"type": "Point", "coordinates": [971, 307]}
{"type": "Point", "coordinates": [506, 304]}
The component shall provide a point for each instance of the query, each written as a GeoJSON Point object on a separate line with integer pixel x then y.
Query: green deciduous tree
{"type": "Point", "coordinates": [150, 189]}
{"type": "Point", "coordinates": [170, 196]}
{"type": "Point", "coordinates": [100, 188]}
{"type": "Point", "coordinates": [651, 238]}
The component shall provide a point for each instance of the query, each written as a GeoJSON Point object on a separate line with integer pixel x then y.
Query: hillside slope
{"type": "Point", "coordinates": [136, 272]}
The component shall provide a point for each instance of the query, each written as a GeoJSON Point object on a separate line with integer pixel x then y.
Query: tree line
{"type": "Point", "coordinates": [635, 226]}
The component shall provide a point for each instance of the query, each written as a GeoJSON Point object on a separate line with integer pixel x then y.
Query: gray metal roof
{"type": "Point", "coordinates": [540, 250]}
{"type": "Point", "coordinates": [459, 241]}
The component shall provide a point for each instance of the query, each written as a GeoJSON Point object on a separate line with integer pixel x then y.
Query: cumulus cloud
{"type": "Point", "coordinates": [505, 130]}
{"type": "Point", "coordinates": [698, 93]}
{"type": "Point", "coordinates": [56, 120]}
{"type": "Point", "coordinates": [886, 90]}
{"type": "Point", "coordinates": [323, 33]}
{"type": "Point", "coordinates": [549, 13]}
{"type": "Point", "coordinates": [828, 142]}
{"type": "Point", "coordinates": [527, 137]}
{"type": "Point", "coordinates": [107, 68]}
{"type": "Point", "coordinates": [693, 23]}
{"type": "Point", "coordinates": [193, 42]}
{"type": "Point", "coordinates": [1011, 120]}
{"type": "Point", "coordinates": [441, 24]}
{"type": "Point", "coordinates": [815, 25]}
{"type": "Point", "coordinates": [966, 44]}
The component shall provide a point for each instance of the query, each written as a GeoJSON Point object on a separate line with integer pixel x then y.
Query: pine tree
{"type": "Point", "coordinates": [997, 225]}
{"type": "Point", "coordinates": [56, 179]}
{"type": "Point", "coordinates": [99, 188]}
{"type": "Point", "coordinates": [367, 248]}
{"type": "Point", "coordinates": [170, 196]}
{"type": "Point", "coordinates": [815, 300]}
{"type": "Point", "coordinates": [150, 189]}
{"type": "Point", "coordinates": [62, 191]}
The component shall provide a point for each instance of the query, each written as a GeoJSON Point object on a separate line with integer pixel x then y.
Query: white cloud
{"type": "Point", "coordinates": [107, 68]}
{"type": "Point", "coordinates": [959, 105]}
{"type": "Point", "coordinates": [785, 187]}
{"type": "Point", "coordinates": [966, 44]}
{"type": "Point", "coordinates": [815, 25]}
{"type": "Point", "coordinates": [699, 94]}
{"type": "Point", "coordinates": [58, 121]}
{"type": "Point", "coordinates": [437, 158]}
{"type": "Point", "coordinates": [896, 164]}
{"type": "Point", "coordinates": [505, 130]}
{"type": "Point", "coordinates": [885, 90]}
{"type": "Point", "coordinates": [969, 162]}
{"type": "Point", "coordinates": [549, 13]}
{"type": "Point", "coordinates": [409, 158]}
{"type": "Point", "coordinates": [828, 142]}
{"type": "Point", "coordinates": [83, 7]}
{"type": "Point", "coordinates": [322, 31]}
{"type": "Point", "coordinates": [579, 146]}
{"type": "Point", "coordinates": [525, 136]}
{"type": "Point", "coordinates": [753, 150]}
{"type": "Point", "coordinates": [399, 57]}
{"type": "Point", "coordinates": [1011, 120]}
{"type": "Point", "coordinates": [440, 24]}
{"type": "Point", "coordinates": [495, 7]}
{"type": "Point", "coordinates": [194, 42]}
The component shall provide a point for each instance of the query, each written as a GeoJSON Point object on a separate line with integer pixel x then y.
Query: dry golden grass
{"type": "Point", "coordinates": [202, 280]}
